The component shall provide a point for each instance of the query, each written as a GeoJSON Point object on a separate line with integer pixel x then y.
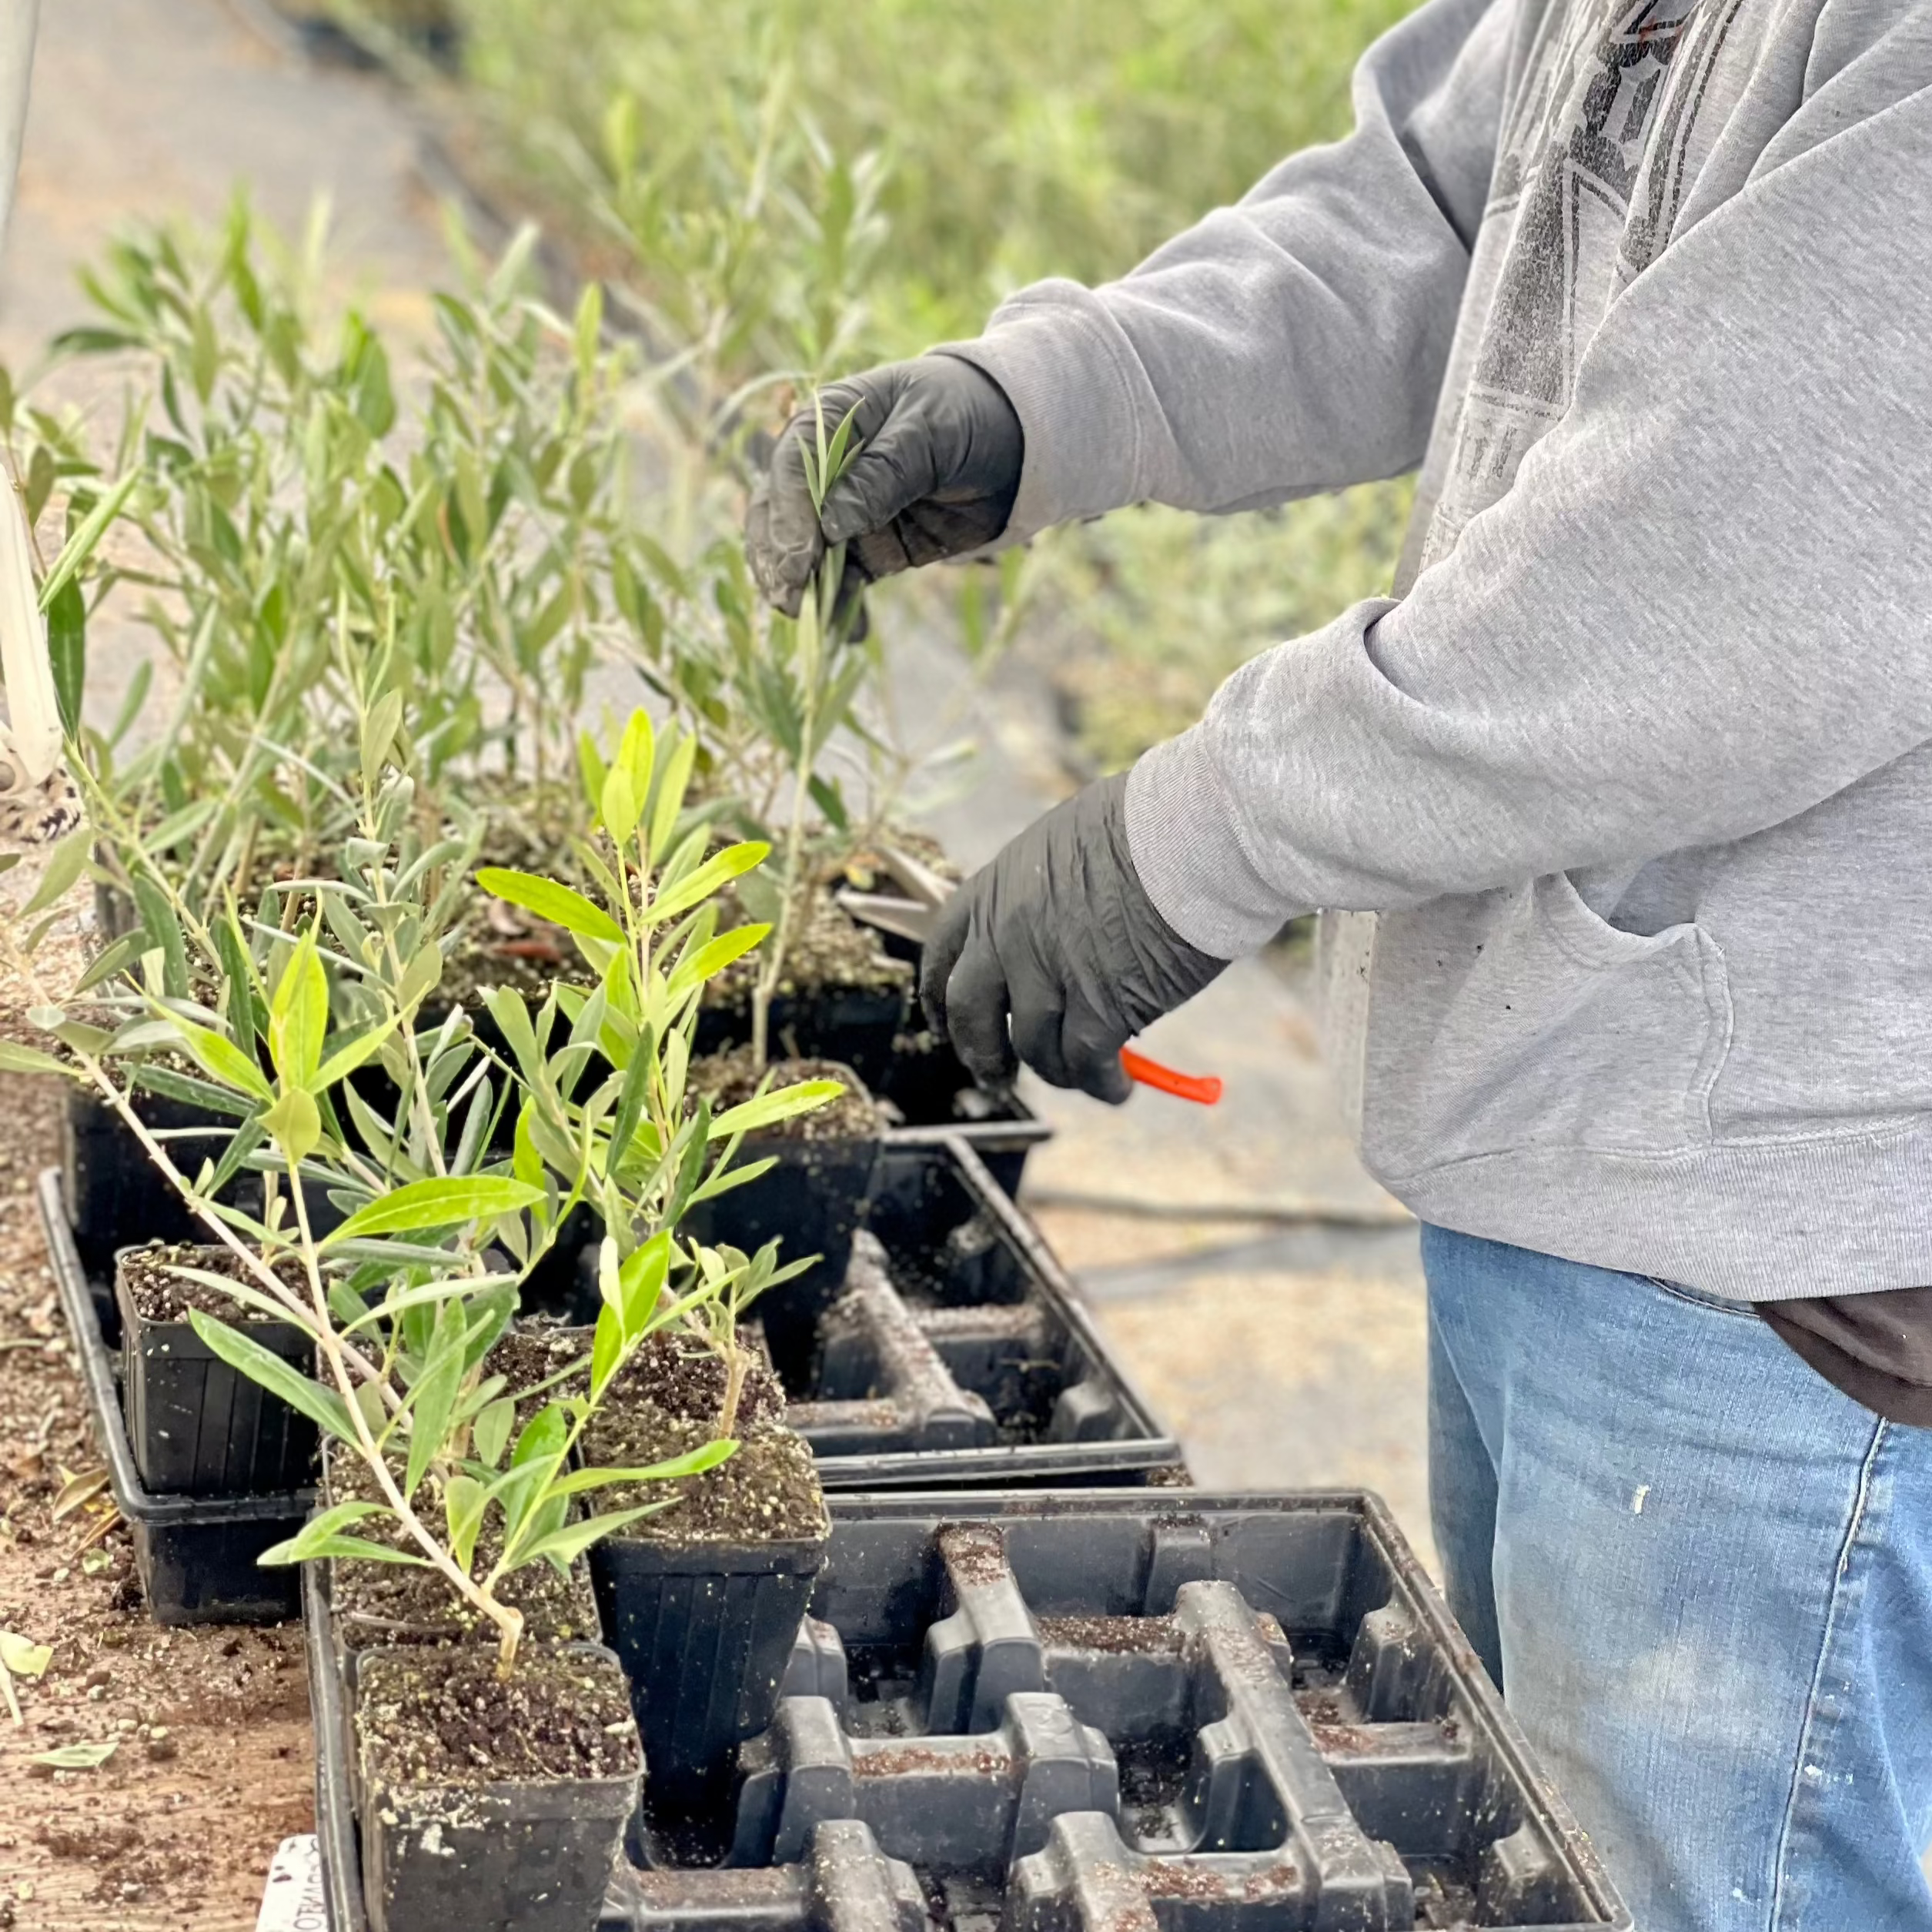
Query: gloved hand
{"type": "Point", "coordinates": [1057, 934]}
{"type": "Point", "coordinates": [936, 472]}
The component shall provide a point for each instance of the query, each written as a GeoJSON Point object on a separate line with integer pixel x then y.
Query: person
{"type": "Point", "coordinates": [1620, 815]}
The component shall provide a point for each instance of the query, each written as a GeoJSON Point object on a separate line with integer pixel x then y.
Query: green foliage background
{"type": "Point", "coordinates": [1017, 138]}
{"type": "Point", "coordinates": [1024, 138]}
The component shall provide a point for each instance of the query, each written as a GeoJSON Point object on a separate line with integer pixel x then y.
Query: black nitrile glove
{"type": "Point", "coordinates": [1057, 934]}
{"type": "Point", "coordinates": [937, 470]}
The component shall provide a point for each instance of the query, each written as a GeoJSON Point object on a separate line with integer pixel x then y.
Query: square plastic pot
{"type": "Point", "coordinates": [197, 1556]}
{"type": "Point", "coordinates": [814, 1201]}
{"type": "Point", "coordinates": [533, 1855]}
{"type": "Point", "coordinates": [855, 1025]}
{"type": "Point", "coordinates": [928, 1092]}
{"type": "Point", "coordinates": [705, 1633]}
{"type": "Point", "coordinates": [116, 1197]}
{"type": "Point", "coordinates": [197, 1427]}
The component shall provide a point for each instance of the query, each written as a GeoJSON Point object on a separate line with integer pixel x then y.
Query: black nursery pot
{"type": "Point", "coordinates": [529, 1855]}
{"type": "Point", "coordinates": [855, 1025]}
{"type": "Point", "coordinates": [116, 1197]}
{"type": "Point", "coordinates": [704, 1631]}
{"type": "Point", "coordinates": [926, 1092]}
{"type": "Point", "coordinates": [813, 1201]}
{"type": "Point", "coordinates": [197, 1426]}
{"type": "Point", "coordinates": [195, 1555]}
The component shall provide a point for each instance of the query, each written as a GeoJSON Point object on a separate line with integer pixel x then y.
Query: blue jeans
{"type": "Point", "coordinates": [1703, 1578]}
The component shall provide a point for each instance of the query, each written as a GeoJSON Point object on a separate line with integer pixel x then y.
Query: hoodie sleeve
{"type": "Point", "coordinates": [1292, 343]}
{"type": "Point", "coordinates": [1700, 611]}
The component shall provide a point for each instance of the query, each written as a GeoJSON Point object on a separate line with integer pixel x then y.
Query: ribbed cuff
{"type": "Point", "coordinates": [1182, 833]}
{"type": "Point", "coordinates": [1062, 374]}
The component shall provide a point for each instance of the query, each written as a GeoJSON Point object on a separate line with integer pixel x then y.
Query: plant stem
{"type": "Point", "coordinates": [507, 1618]}
{"type": "Point", "coordinates": [737, 1363]}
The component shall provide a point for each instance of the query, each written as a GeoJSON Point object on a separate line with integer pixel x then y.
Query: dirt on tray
{"type": "Point", "coordinates": [444, 1717]}
{"type": "Point", "coordinates": [159, 1295]}
{"type": "Point", "coordinates": [212, 1766]}
{"type": "Point", "coordinates": [729, 1078]}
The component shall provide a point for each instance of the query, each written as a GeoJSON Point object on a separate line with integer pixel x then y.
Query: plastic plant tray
{"type": "Point", "coordinates": [961, 1352]}
{"type": "Point", "coordinates": [958, 1351]}
{"type": "Point", "coordinates": [195, 1555]}
{"type": "Point", "coordinates": [1100, 1712]}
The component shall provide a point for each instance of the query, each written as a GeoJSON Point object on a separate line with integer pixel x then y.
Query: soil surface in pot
{"type": "Point", "coordinates": [444, 1717]}
{"type": "Point", "coordinates": [380, 1603]}
{"type": "Point", "coordinates": [767, 1492]}
{"type": "Point", "coordinates": [533, 1355]}
{"type": "Point", "coordinates": [678, 1374]}
{"type": "Point", "coordinates": [726, 1079]}
{"type": "Point", "coordinates": [160, 1296]}
{"type": "Point", "coordinates": [829, 948]}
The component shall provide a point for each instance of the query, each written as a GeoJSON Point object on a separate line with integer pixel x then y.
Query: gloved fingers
{"type": "Point", "coordinates": [894, 469]}
{"type": "Point", "coordinates": [976, 1006]}
{"type": "Point", "coordinates": [782, 540]}
{"type": "Point", "coordinates": [883, 552]}
{"type": "Point", "coordinates": [1089, 1046]}
{"type": "Point", "coordinates": [785, 549]}
{"type": "Point", "coordinates": [773, 582]}
{"type": "Point", "coordinates": [945, 944]}
{"type": "Point", "coordinates": [1036, 1026]}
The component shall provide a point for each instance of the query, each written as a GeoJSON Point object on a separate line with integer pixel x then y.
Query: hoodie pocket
{"type": "Point", "coordinates": [1521, 1018]}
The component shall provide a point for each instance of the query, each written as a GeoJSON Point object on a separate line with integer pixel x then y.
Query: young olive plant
{"type": "Point", "coordinates": [617, 1092]}
{"type": "Point", "coordinates": [284, 1016]}
{"type": "Point", "coordinates": [296, 520]}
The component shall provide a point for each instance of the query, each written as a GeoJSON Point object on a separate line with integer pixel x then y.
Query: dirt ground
{"type": "Point", "coordinates": [212, 1764]}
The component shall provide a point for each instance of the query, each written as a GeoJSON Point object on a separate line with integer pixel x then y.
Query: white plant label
{"type": "Point", "coordinates": [291, 1901]}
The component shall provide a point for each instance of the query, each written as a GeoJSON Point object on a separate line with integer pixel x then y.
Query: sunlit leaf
{"type": "Point", "coordinates": [438, 1203]}
{"type": "Point", "coordinates": [548, 900]}
{"type": "Point", "coordinates": [781, 1104]}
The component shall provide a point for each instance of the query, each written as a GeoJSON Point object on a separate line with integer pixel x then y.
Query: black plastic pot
{"type": "Point", "coordinates": [813, 1200]}
{"type": "Point", "coordinates": [200, 1428]}
{"type": "Point", "coordinates": [530, 1856]}
{"type": "Point", "coordinates": [195, 1555]}
{"type": "Point", "coordinates": [705, 1633]}
{"type": "Point", "coordinates": [116, 1197]}
{"type": "Point", "coordinates": [855, 1025]}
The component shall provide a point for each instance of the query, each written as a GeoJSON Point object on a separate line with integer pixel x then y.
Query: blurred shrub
{"type": "Point", "coordinates": [1148, 611]}
{"type": "Point", "coordinates": [1022, 139]}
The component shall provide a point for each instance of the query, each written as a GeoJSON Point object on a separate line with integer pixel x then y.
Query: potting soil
{"type": "Point", "coordinates": [768, 1492]}
{"type": "Point", "coordinates": [730, 1078]}
{"type": "Point", "coordinates": [378, 1602]}
{"type": "Point", "coordinates": [445, 1718]}
{"type": "Point", "coordinates": [159, 1295]}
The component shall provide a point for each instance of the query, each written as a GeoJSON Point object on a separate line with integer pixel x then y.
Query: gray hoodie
{"type": "Point", "coordinates": [1624, 810]}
